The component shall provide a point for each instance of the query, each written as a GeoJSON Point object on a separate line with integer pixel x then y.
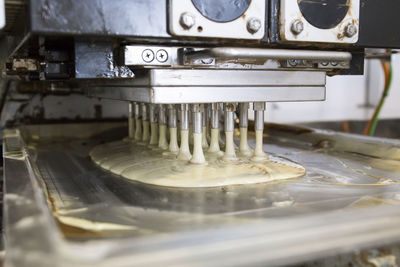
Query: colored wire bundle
{"type": "Point", "coordinates": [371, 126]}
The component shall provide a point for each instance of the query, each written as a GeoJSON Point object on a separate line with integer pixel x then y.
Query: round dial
{"type": "Point", "coordinates": [324, 14]}
{"type": "Point", "coordinates": [221, 10]}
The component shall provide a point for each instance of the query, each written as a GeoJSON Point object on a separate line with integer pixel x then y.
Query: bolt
{"type": "Point", "coordinates": [292, 62]}
{"type": "Point", "coordinates": [207, 61]}
{"type": "Point", "coordinates": [161, 55]}
{"type": "Point", "coordinates": [253, 25]}
{"type": "Point", "coordinates": [297, 27]}
{"type": "Point", "coordinates": [334, 63]}
{"type": "Point", "coordinates": [147, 55]}
{"type": "Point", "coordinates": [187, 20]}
{"type": "Point", "coordinates": [350, 30]}
{"type": "Point", "coordinates": [324, 63]}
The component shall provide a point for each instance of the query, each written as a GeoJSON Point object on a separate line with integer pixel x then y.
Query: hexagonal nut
{"type": "Point", "coordinates": [350, 30]}
{"type": "Point", "coordinates": [187, 20]}
{"type": "Point", "coordinates": [253, 25]}
{"type": "Point", "coordinates": [297, 27]}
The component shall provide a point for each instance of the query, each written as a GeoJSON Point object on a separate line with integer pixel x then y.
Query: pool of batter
{"type": "Point", "coordinates": [139, 162]}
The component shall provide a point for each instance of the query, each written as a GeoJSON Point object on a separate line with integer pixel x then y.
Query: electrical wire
{"type": "Point", "coordinates": [346, 127]}
{"type": "Point", "coordinates": [373, 122]}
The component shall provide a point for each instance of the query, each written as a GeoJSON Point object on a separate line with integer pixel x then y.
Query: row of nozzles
{"type": "Point", "coordinates": [148, 125]}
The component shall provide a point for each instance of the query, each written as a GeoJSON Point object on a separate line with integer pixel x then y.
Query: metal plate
{"type": "Point", "coordinates": [211, 94]}
{"type": "Point", "coordinates": [135, 55]}
{"type": "Point", "coordinates": [347, 201]}
{"type": "Point", "coordinates": [290, 12]}
{"type": "Point", "coordinates": [209, 86]}
{"type": "Point", "coordinates": [204, 27]}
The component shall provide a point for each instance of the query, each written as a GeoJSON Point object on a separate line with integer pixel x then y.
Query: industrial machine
{"type": "Point", "coordinates": [92, 89]}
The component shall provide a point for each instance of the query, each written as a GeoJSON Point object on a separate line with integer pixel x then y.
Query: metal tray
{"type": "Point", "coordinates": [63, 210]}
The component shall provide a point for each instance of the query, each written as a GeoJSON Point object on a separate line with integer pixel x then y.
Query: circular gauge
{"type": "Point", "coordinates": [324, 14]}
{"type": "Point", "coordinates": [221, 10]}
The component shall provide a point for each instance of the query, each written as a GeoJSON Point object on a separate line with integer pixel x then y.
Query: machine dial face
{"type": "Point", "coordinates": [221, 10]}
{"type": "Point", "coordinates": [324, 14]}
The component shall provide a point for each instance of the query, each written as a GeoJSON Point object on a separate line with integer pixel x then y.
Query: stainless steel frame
{"type": "Point", "coordinates": [170, 86]}
{"type": "Point", "coordinates": [259, 53]}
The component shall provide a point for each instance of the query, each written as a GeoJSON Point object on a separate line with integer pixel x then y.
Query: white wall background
{"type": "Point", "coordinates": [345, 99]}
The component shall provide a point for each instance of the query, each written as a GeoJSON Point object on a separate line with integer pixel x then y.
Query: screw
{"type": "Point", "coordinates": [334, 63]}
{"type": "Point", "coordinates": [161, 55]}
{"type": "Point", "coordinates": [292, 62]}
{"type": "Point", "coordinates": [297, 27]}
{"type": "Point", "coordinates": [207, 60]}
{"type": "Point", "coordinates": [187, 20]}
{"type": "Point", "coordinates": [147, 55]}
{"type": "Point", "coordinates": [350, 30]}
{"type": "Point", "coordinates": [253, 25]}
{"type": "Point", "coordinates": [324, 63]}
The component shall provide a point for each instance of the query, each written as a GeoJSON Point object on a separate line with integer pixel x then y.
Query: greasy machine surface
{"type": "Point", "coordinates": [335, 180]}
{"type": "Point", "coordinates": [346, 200]}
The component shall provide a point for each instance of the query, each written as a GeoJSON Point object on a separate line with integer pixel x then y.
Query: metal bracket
{"type": "Point", "coordinates": [149, 55]}
{"type": "Point", "coordinates": [259, 53]}
{"type": "Point", "coordinates": [186, 20]}
{"type": "Point", "coordinates": [169, 86]}
{"type": "Point", "coordinates": [290, 14]}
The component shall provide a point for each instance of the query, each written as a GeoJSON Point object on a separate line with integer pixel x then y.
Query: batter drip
{"type": "Point", "coordinates": [184, 152]}
{"type": "Point", "coordinates": [162, 141]}
{"type": "Point", "coordinates": [214, 142]}
{"type": "Point", "coordinates": [138, 133]}
{"type": "Point", "coordinates": [154, 135]}
{"type": "Point", "coordinates": [146, 132]}
{"type": "Point", "coordinates": [198, 155]}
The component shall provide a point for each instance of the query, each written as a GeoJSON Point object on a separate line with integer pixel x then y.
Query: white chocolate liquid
{"type": "Point", "coordinates": [162, 139]}
{"type": "Point", "coordinates": [173, 141]}
{"type": "Point", "coordinates": [146, 132]}
{"type": "Point", "coordinates": [204, 142]}
{"type": "Point", "coordinates": [138, 132]}
{"type": "Point", "coordinates": [131, 125]}
{"type": "Point", "coordinates": [184, 152]}
{"type": "Point", "coordinates": [154, 134]}
{"type": "Point", "coordinates": [198, 155]}
{"type": "Point", "coordinates": [229, 154]}
{"type": "Point", "coordinates": [244, 148]}
{"type": "Point", "coordinates": [259, 153]}
{"type": "Point", "coordinates": [136, 162]}
{"type": "Point", "coordinates": [214, 142]}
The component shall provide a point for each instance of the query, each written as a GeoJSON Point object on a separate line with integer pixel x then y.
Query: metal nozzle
{"type": "Point", "coordinates": [153, 113]}
{"type": "Point", "coordinates": [197, 110]}
{"type": "Point", "coordinates": [184, 108]}
{"type": "Point", "coordinates": [144, 112]}
{"type": "Point", "coordinates": [137, 110]}
{"type": "Point", "coordinates": [229, 109]}
{"type": "Point", "coordinates": [131, 110]}
{"type": "Point", "coordinates": [214, 115]}
{"type": "Point", "coordinates": [259, 108]}
{"type": "Point", "coordinates": [162, 118]}
{"type": "Point", "coordinates": [204, 116]}
{"type": "Point", "coordinates": [172, 117]}
{"type": "Point", "coordinates": [244, 115]}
